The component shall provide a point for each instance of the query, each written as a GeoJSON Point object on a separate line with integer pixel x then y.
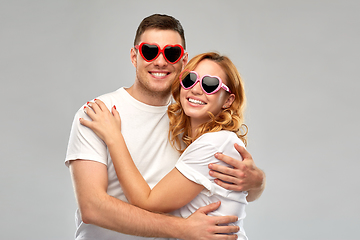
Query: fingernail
{"type": "Point", "coordinates": [114, 107]}
{"type": "Point", "coordinates": [87, 103]}
{"type": "Point", "coordinates": [84, 107]}
{"type": "Point", "coordinates": [95, 99]}
{"type": "Point", "coordinates": [79, 119]}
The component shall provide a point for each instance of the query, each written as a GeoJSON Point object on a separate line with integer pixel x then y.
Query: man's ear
{"type": "Point", "coordinates": [229, 101]}
{"type": "Point", "coordinates": [133, 56]}
{"type": "Point", "coordinates": [184, 60]}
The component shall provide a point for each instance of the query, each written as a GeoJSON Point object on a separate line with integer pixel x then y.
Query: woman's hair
{"type": "Point", "coordinates": [230, 119]}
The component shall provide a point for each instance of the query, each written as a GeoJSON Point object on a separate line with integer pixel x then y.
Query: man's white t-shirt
{"type": "Point", "coordinates": [193, 164]}
{"type": "Point", "coordinates": [145, 129]}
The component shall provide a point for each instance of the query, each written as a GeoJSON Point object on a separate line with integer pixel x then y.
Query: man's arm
{"type": "Point", "coordinates": [245, 176]}
{"type": "Point", "coordinates": [98, 208]}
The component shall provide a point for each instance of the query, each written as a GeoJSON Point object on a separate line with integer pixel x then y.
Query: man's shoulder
{"type": "Point", "coordinates": [112, 95]}
{"type": "Point", "coordinates": [113, 98]}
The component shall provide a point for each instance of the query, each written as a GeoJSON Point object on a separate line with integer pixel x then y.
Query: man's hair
{"type": "Point", "coordinates": [161, 22]}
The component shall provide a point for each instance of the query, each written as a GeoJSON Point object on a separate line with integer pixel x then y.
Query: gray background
{"type": "Point", "coordinates": [300, 63]}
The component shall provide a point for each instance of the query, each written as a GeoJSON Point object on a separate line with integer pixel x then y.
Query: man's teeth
{"type": "Point", "coordinates": [159, 74]}
{"type": "Point", "coordinates": [196, 101]}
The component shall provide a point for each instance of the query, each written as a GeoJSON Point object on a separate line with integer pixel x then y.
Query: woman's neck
{"type": "Point", "coordinates": [194, 126]}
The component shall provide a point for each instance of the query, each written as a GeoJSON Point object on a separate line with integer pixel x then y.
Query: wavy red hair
{"type": "Point", "coordinates": [231, 119]}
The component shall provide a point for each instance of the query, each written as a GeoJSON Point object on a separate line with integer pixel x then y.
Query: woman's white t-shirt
{"type": "Point", "coordinates": [193, 164]}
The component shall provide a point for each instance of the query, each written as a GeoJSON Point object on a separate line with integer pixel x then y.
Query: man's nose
{"type": "Point", "coordinates": [160, 60]}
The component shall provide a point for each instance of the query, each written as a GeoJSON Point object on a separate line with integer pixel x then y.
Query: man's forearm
{"type": "Point", "coordinates": [122, 217]}
{"type": "Point", "coordinates": [98, 208]}
{"type": "Point", "coordinates": [135, 221]}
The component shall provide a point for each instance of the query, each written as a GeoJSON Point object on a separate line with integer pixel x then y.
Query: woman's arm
{"type": "Point", "coordinates": [172, 192]}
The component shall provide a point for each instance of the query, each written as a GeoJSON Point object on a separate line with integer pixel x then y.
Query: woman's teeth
{"type": "Point", "coordinates": [196, 101]}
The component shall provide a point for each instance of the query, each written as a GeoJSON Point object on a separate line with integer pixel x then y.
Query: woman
{"type": "Point", "coordinates": [206, 118]}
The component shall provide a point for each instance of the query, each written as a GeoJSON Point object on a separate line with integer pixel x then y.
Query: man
{"type": "Point", "coordinates": [103, 212]}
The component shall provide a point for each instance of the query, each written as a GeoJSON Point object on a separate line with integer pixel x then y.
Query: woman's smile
{"type": "Point", "coordinates": [196, 101]}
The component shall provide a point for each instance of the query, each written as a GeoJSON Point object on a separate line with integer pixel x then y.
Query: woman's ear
{"type": "Point", "coordinates": [229, 101]}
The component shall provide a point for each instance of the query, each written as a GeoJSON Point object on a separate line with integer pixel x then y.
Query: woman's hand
{"type": "Point", "coordinates": [105, 124]}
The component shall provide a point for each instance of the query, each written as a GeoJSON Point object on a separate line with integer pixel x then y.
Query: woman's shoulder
{"type": "Point", "coordinates": [219, 135]}
{"type": "Point", "coordinates": [219, 138]}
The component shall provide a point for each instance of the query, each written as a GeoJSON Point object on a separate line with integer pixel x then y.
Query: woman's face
{"type": "Point", "coordinates": [196, 103]}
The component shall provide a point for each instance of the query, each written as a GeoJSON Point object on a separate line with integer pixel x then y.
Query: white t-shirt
{"type": "Point", "coordinates": [193, 164]}
{"type": "Point", "coordinates": [145, 129]}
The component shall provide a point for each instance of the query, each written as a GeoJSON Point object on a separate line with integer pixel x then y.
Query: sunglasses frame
{"type": "Point", "coordinates": [139, 47]}
{"type": "Point", "coordinates": [221, 84]}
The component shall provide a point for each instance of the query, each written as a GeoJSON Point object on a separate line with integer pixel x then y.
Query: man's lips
{"type": "Point", "coordinates": [159, 74]}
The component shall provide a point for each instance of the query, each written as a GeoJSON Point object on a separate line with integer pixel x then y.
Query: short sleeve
{"type": "Point", "coordinates": [84, 143]}
{"type": "Point", "coordinates": [193, 163]}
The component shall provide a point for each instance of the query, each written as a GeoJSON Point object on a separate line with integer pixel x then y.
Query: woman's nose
{"type": "Point", "coordinates": [197, 89]}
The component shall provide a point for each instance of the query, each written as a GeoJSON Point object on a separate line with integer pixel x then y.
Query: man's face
{"type": "Point", "coordinates": [156, 77]}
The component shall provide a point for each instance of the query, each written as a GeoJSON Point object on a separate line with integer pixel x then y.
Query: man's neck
{"type": "Point", "coordinates": [148, 97]}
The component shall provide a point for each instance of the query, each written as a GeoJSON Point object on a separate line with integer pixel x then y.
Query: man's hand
{"type": "Point", "coordinates": [199, 226]}
{"type": "Point", "coordinates": [245, 176]}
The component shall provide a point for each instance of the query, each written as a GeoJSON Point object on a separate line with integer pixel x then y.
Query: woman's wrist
{"type": "Point", "coordinates": [114, 140]}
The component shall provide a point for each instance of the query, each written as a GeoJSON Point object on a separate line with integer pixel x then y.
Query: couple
{"type": "Point", "coordinates": [140, 164]}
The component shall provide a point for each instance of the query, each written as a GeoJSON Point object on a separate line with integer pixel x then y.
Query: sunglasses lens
{"type": "Point", "coordinates": [189, 80]}
{"type": "Point", "coordinates": [172, 53]}
{"type": "Point", "coordinates": [149, 51]}
{"type": "Point", "coordinates": [210, 84]}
